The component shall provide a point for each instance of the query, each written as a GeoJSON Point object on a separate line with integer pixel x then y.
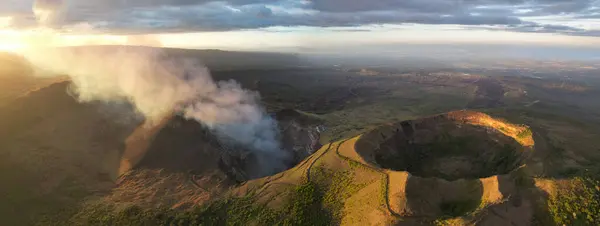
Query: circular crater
{"type": "Point", "coordinates": [448, 148]}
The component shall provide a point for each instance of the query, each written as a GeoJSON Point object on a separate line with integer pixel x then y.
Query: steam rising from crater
{"type": "Point", "coordinates": [158, 85]}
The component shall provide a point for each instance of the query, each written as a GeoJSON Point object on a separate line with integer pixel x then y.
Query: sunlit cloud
{"type": "Point", "coordinates": [276, 24]}
{"type": "Point", "coordinates": [16, 40]}
{"type": "Point", "coordinates": [164, 16]}
{"type": "Point", "coordinates": [277, 38]}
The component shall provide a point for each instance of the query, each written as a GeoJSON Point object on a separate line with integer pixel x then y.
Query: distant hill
{"type": "Point", "coordinates": [16, 78]}
{"type": "Point", "coordinates": [216, 59]}
{"type": "Point", "coordinates": [16, 73]}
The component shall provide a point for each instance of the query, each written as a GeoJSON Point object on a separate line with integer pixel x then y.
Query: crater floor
{"type": "Point", "coordinates": [446, 148]}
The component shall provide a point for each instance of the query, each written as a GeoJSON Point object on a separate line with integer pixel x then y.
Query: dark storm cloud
{"type": "Point", "coordinates": [254, 16]}
{"type": "Point", "coordinates": [360, 5]}
{"type": "Point", "coordinates": [120, 4]}
{"type": "Point", "coordinates": [529, 27]}
{"type": "Point", "coordinates": [533, 27]}
{"type": "Point", "coordinates": [443, 6]}
{"type": "Point", "coordinates": [150, 16]}
{"type": "Point", "coordinates": [567, 6]}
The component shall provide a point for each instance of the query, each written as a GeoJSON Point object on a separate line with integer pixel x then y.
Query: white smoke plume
{"type": "Point", "coordinates": [158, 85]}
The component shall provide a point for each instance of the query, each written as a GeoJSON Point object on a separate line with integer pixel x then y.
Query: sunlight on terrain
{"type": "Point", "coordinates": [10, 47]}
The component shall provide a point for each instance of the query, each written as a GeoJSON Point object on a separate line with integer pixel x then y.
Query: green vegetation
{"type": "Point", "coordinates": [524, 134]}
{"type": "Point", "coordinates": [555, 159]}
{"type": "Point", "coordinates": [503, 129]}
{"type": "Point", "coordinates": [132, 215]}
{"type": "Point", "coordinates": [453, 211]}
{"type": "Point", "coordinates": [337, 187]}
{"type": "Point", "coordinates": [304, 207]}
{"type": "Point", "coordinates": [353, 164]}
{"type": "Point", "coordinates": [446, 222]}
{"type": "Point", "coordinates": [505, 160]}
{"type": "Point", "coordinates": [458, 208]}
{"type": "Point", "coordinates": [231, 211]}
{"type": "Point", "coordinates": [578, 204]}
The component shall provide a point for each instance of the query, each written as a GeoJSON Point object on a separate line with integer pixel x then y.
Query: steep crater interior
{"type": "Point", "coordinates": [187, 146]}
{"type": "Point", "coordinates": [450, 149]}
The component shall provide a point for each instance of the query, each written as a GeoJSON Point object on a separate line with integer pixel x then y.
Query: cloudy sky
{"type": "Point", "coordinates": [234, 24]}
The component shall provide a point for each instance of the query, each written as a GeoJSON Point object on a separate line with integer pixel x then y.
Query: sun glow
{"type": "Point", "coordinates": [10, 47]}
{"type": "Point", "coordinates": [7, 37]}
{"type": "Point", "coordinates": [19, 40]}
{"type": "Point", "coordinates": [10, 41]}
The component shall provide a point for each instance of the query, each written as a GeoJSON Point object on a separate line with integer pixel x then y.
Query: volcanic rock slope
{"type": "Point", "coordinates": [58, 154]}
{"type": "Point", "coordinates": [459, 168]}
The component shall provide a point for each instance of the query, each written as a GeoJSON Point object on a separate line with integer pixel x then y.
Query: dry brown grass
{"type": "Point", "coordinates": [157, 188]}
{"type": "Point", "coordinates": [506, 128]}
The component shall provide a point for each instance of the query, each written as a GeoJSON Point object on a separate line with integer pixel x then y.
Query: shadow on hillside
{"type": "Point", "coordinates": [433, 197]}
{"type": "Point", "coordinates": [524, 202]}
{"type": "Point", "coordinates": [59, 152]}
{"type": "Point", "coordinates": [181, 146]}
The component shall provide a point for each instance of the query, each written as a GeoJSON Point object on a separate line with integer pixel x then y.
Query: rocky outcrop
{"type": "Point", "coordinates": [300, 133]}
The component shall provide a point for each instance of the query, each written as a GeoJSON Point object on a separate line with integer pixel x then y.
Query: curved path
{"type": "Point", "coordinates": [385, 176]}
